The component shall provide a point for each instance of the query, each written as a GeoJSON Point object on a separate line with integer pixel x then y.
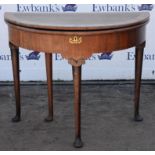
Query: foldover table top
{"type": "Point", "coordinates": [76, 21]}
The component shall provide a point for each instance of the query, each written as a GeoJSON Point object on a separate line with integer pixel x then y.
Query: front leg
{"type": "Point", "coordinates": [48, 59]}
{"type": "Point", "coordinates": [138, 73]}
{"type": "Point", "coordinates": [15, 66]}
{"type": "Point", "coordinates": [77, 105]}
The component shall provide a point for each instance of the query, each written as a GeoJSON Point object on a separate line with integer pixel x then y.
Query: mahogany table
{"type": "Point", "coordinates": [76, 36]}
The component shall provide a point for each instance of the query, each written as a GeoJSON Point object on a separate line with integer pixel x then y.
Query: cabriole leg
{"type": "Point", "coordinates": [48, 59]}
{"type": "Point", "coordinates": [15, 66]}
{"type": "Point", "coordinates": [77, 105]}
{"type": "Point", "coordinates": [138, 73]}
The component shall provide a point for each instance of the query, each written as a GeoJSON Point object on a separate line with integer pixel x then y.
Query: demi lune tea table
{"type": "Point", "coordinates": [76, 36]}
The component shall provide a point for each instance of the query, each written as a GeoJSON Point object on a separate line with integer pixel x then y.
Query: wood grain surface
{"type": "Point", "coordinates": [77, 21]}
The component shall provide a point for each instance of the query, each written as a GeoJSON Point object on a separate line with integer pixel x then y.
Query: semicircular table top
{"type": "Point", "coordinates": [76, 21]}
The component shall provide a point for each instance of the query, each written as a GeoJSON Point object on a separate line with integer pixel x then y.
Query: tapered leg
{"type": "Point", "coordinates": [138, 72]}
{"type": "Point", "coordinates": [77, 105]}
{"type": "Point", "coordinates": [48, 59]}
{"type": "Point", "coordinates": [15, 67]}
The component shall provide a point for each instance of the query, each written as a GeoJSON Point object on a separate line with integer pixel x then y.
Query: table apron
{"type": "Point", "coordinates": [77, 45]}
